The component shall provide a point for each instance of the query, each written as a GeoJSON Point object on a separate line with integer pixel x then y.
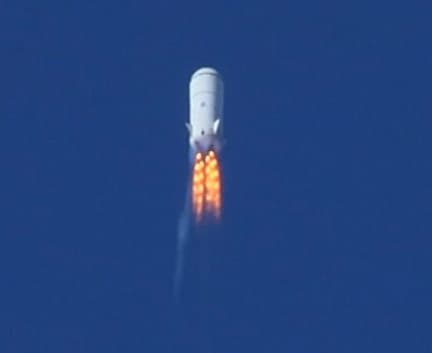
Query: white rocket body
{"type": "Point", "coordinates": [206, 110]}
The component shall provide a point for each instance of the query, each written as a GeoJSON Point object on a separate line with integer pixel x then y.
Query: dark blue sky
{"type": "Point", "coordinates": [326, 243]}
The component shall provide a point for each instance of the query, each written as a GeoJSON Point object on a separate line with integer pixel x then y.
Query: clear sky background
{"type": "Point", "coordinates": [326, 244]}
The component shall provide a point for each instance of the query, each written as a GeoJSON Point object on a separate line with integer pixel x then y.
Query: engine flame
{"type": "Point", "coordinates": [206, 186]}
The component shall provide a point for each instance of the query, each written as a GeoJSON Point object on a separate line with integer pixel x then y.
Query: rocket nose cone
{"type": "Point", "coordinates": [205, 71]}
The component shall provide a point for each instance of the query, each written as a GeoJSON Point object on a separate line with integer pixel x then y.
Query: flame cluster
{"type": "Point", "coordinates": [206, 186]}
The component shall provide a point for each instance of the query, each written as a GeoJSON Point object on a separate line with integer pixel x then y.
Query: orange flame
{"type": "Point", "coordinates": [206, 186]}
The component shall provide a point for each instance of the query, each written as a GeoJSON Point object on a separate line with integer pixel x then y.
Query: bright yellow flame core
{"type": "Point", "coordinates": [206, 186]}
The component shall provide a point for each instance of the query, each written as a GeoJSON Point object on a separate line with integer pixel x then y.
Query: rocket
{"type": "Point", "coordinates": [205, 138]}
{"type": "Point", "coordinates": [206, 110]}
{"type": "Point", "coordinates": [202, 214]}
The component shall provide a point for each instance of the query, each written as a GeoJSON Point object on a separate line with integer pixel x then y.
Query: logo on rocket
{"type": "Point", "coordinates": [205, 129]}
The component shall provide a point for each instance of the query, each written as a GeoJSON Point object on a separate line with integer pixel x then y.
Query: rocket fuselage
{"type": "Point", "coordinates": [206, 110]}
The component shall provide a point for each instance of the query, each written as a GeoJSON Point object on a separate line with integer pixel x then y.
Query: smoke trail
{"type": "Point", "coordinates": [182, 242]}
{"type": "Point", "coordinates": [202, 203]}
{"type": "Point", "coordinates": [198, 225]}
{"type": "Point", "coordinates": [183, 237]}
